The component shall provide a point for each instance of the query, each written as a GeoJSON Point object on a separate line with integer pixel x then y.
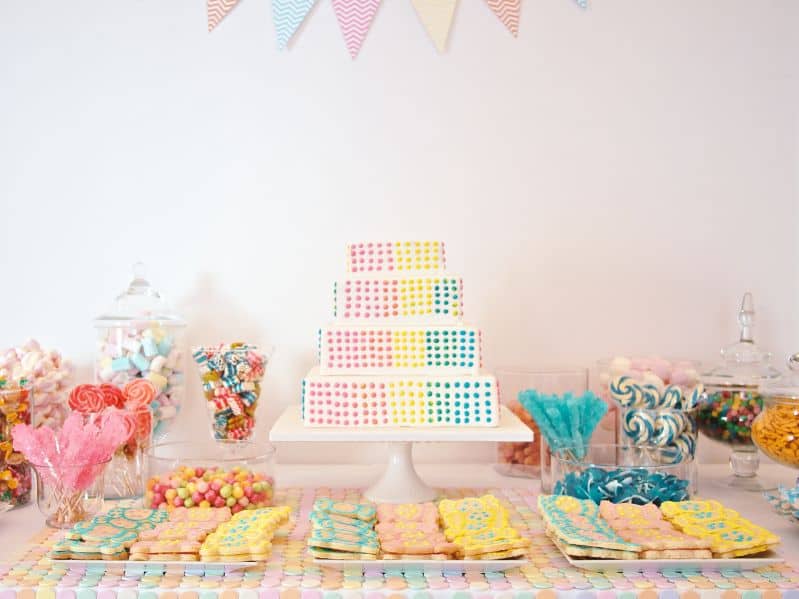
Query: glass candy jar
{"type": "Point", "coordinates": [776, 429]}
{"type": "Point", "coordinates": [15, 473]}
{"type": "Point", "coordinates": [732, 400]}
{"type": "Point", "coordinates": [533, 459]}
{"type": "Point", "coordinates": [141, 337]}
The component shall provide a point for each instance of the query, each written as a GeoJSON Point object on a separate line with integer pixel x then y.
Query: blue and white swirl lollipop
{"type": "Point", "coordinates": [650, 396]}
{"type": "Point", "coordinates": [668, 427]}
{"type": "Point", "coordinates": [672, 397]}
{"type": "Point", "coordinates": [625, 391]}
{"type": "Point", "coordinates": [692, 397]}
{"type": "Point", "coordinates": [639, 426]}
{"type": "Point", "coordinates": [686, 445]}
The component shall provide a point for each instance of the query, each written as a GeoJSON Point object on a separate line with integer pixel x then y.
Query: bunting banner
{"type": "Point", "coordinates": [218, 10]}
{"type": "Point", "coordinates": [287, 16]}
{"type": "Point", "coordinates": [436, 17]}
{"type": "Point", "coordinates": [355, 18]}
{"type": "Point", "coordinates": [508, 12]}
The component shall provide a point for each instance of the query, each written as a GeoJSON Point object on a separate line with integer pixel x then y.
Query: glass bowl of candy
{"type": "Point", "coordinates": [237, 474]}
{"type": "Point", "coordinates": [231, 381]}
{"type": "Point", "coordinates": [776, 429]}
{"type": "Point", "coordinates": [655, 401]}
{"type": "Point", "coordinates": [621, 474]}
{"type": "Point", "coordinates": [141, 337]}
{"type": "Point", "coordinates": [733, 400]}
{"type": "Point", "coordinates": [68, 494]}
{"type": "Point", "coordinates": [532, 459]}
{"type": "Point", "coordinates": [15, 473]}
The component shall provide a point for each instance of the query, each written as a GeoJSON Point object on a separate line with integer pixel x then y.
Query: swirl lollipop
{"type": "Point", "coordinates": [668, 426]}
{"type": "Point", "coordinates": [672, 397]}
{"type": "Point", "coordinates": [626, 391]}
{"type": "Point", "coordinates": [639, 426]}
{"type": "Point", "coordinates": [691, 398]}
{"type": "Point", "coordinates": [112, 396]}
{"type": "Point", "coordinates": [139, 393]}
{"type": "Point", "coordinates": [86, 398]}
{"type": "Point", "coordinates": [650, 396]}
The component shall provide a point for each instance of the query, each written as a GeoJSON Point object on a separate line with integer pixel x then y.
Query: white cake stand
{"type": "Point", "coordinates": [399, 483]}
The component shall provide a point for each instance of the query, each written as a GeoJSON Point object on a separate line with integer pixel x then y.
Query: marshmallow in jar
{"type": "Point", "coordinates": [141, 337]}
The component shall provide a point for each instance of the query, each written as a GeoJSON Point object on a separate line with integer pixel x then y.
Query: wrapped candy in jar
{"type": "Point", "coordinates": [140, 337]}
{"type": "Point", "coordinates": [732, 400]}
{"type": "Point", "coordinates": [776, 429]}
{"type": "Point", "coordinates": [15, 472]}
{"type": "Point", "coordinates": [231, 380]}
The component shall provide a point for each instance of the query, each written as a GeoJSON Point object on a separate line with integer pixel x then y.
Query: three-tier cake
{"type": "Point", "coordinates": [398, 353]}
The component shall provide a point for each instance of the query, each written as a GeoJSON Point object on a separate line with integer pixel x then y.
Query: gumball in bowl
{"type": "Point", "coordinates": [237, 474]}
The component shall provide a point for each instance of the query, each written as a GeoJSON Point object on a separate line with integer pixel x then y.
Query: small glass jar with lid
{"type": "Point", "coordinates": [776, 429]}
{"type": "Point", "coordinates": [140, 336]}
{"type": "Point", "coordinates": [733, 400]}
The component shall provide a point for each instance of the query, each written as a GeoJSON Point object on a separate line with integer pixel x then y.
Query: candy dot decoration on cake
{"type": "Point", "coordinates": [399, 349]}
{"type": "Point", "coordinates": [399, 353]}
{"type": "Point", "coordinates": [395, 256]}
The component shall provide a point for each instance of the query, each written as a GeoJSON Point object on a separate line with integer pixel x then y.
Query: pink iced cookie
{"type": "Point", "coordinates": [183, 529]}
{"type": "Point", "coordinates": [408, 512]}
{"type": "Point", "coordinates": [416, 542]}
{"type": "Point", "coordinates": [389, 529]}
{"type": "Point", "coordinates": [200, 514]}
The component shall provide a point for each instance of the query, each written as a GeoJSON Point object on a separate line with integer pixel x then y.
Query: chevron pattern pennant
{"type": "Point", "coordinates": [508, 12]}
{"type": "Point", "coordinates": [217, 10]}
{"type": "Point", "coordinates": [288, 15]}
{"type": "Point", "coordinates": [436, 16]}
{"type": "Point", "coordinates": [355, 17]}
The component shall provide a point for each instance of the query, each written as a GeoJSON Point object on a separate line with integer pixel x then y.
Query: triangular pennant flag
{"type": "Point", "coordinates": [436, 16]}
{"type": "Point", "coordinates": [508, 12]}
{"type": "Point", "coordinates": [355, 17]}
{"type": "Point", "coordinates": [217, 10]}
{"type": "Point", "coordinates": [288, 15]}
{"type": "Point", "coordinates": [582, 3]}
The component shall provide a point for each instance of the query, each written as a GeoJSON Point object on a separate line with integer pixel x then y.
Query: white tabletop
{"type": "Point", "coordinates": [18, 525]}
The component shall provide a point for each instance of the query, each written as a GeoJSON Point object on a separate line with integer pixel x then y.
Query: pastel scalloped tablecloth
{"type": "Point", "coordinates": [292, 574]}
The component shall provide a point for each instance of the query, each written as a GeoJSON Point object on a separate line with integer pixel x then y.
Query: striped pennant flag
{"type": "Point", "coordinates": [354, 18]}
{"type": "Point", "coordinates": [288, 15]}
{"type": "Point", "coordinates": [217, 10]}
{"type": "Point", "coordinates": [436, 16]}
{"type": "Point", "coordinates": [508, 12]}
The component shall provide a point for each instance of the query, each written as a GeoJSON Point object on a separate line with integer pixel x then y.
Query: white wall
{"type": "Point", "coordinates": [612, 180]}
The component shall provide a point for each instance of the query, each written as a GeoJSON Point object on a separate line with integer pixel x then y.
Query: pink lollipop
{"type": "Point", "coordinates": [86, 398]}
{"type": "Point", "coordinates": [139, 393]}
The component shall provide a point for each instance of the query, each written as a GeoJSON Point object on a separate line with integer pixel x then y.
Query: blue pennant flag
{"type": "Point", "coordinates": [288, 15]}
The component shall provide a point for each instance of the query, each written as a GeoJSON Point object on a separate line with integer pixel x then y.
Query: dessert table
{"type": "Point", "coordinates": [290, 573]}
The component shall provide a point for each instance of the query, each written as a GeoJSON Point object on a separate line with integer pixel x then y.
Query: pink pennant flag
{"type": "Point", "coordinates": [355, 17]}
{"type": "Point", "coordinates": [508, 12]}
{"type": "Point", "coordinates": [217, 10]}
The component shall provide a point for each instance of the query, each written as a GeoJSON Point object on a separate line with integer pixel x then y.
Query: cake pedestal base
{"type": "Point", "coordinates": [399, 483]}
